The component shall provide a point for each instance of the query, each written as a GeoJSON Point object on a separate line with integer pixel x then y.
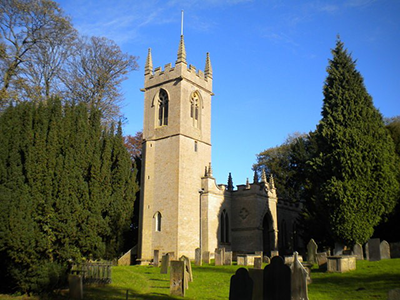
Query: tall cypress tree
{"type": "Point", "coordinates": [355, 175]}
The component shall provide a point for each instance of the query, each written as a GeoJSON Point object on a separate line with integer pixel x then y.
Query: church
{"type": "Point", "coordinates": [182, 207]}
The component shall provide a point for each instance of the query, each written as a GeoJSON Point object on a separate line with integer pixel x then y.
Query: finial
{"type": "Point", "coordinates": [263, 176]}
{"type": "Point", "coordinates": [206, 172]}
{"type": "Point", "coordinates": [182, 22]}
{"type": "Point", "coordinates": [230, 182]}
{"type": "Point", "coordinates": [148, 69]}
{"type": "Point", "coordinates": [181, 52]}
{"type": "Point", "coordinates": [208, 68]}
{"type": "Point", "coordinates": [271, 181]}
{"type": "Point", "coordinates": [255, 178]}
{"type": "Point", "coordinates": [247, 184]}
{"type": "Point", "coordinates": [209, 170]}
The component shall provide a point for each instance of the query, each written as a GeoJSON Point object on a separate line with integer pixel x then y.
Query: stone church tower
{"type": "Point", "coordinates": [176, 150]}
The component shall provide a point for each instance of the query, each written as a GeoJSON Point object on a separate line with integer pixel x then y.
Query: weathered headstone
{"type": "Point", "coordinates": [395, 250]}
{"type": "Point", "coordinates": [164, 264]}
{"type": "Point", "coordinates": [266, 259]}
{"type": "Point", "coordinates": [219, 257]}
{"type": "Point", "coordinates": [312, 248]}
{"type": "Point", "coordinates": [156, 259]}
{"type": "Point", "coordinates": [322, 259]}
{"type": "Point", "coordinates": [358, 251]}
{"type": "Point", "coordinates": [177, 278]}
{"type": "Point", "coordinates": [257, 262]}
{"type": "Point", "coordinates": [394, 294]}
{"type": "Point", "coordinates": [338, 249]}
{"type": "Point", "coordinates": [240, 259]}
{"type": "Point", "coordinates": [257, 276]}
{"type": "Point", "coordinates": [274, 253]}
{"type": "Point", "coordinates": [241, 285]}
{"type": "Point", "coordinates": [75, 286]}
{"type": "Point", "coordinates": [206, 257]}
{"type": "Point", "coordinates": [277, 280]}
{"type": "Point", "coordinates": [188, 267]}
{"type": "Point", "coordinates": [366, 249]}
{"type": "Point", "coordinates": [385, 250]}
{"type": "Point", "coordinates": [228, 258]}
{"type": "Point", "coordinates": [197, 255]}
{"type": "Point", "coordinates": [299, 280]}
{"type": "Point", "coordinates": [374, 249]}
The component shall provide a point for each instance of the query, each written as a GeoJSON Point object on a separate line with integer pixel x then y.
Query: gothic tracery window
{"type": "Point", "coordinates": [162, 108]}
{"type": "Point", "coordinates": [194, 108]}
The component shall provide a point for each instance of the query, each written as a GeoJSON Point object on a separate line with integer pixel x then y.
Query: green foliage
{"type": "Point", "coordinates": [354, 177]}
{"type": "Point", "coordinates": [67, 190]}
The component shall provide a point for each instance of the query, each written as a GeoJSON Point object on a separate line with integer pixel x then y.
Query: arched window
{"type": "Point", "coordinates": [224, 226]}
{"type": "Point", "coordinates": [194, 108]}
{"type": "Point", "coordinates": [162, 108]}
{"type": "Point", "coordinates": [157, 221]}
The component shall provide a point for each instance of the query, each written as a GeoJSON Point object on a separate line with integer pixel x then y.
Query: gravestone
{"type": "Point", "coordinates": [240, 259]}
{"type": "Point", "coordinates": [266, 259]}
{"type": "Point", "coordinates": [338, 249]}
{"type": "Point", "coordinates": [206, 257]}
{"type": "Point", "coordinates": [219, 257]}
{"type": "Point", "coordinates": [188, 267]}
{"type": "Point", "coordinates": [257, 276]}
{"type": "Point", "coordinates": [241, 286]}
{"type": "Point", "coordinates": [249, 259]}
{"type": "Point", "coordinates": [257, 262]}
{"type": "Point", "coordinates": [197, 255]}
{"type": "Point", "coordinates": [394, 294]}
{"type": "Point", "coordinates": [228, 258]}
{"type": "Point", "coordinates": [366, 249]}
{"type": "Point", "coordinates": [395, 250]}
{"type": "Point", "coordinates": [322, 259]}
{"type": "Point", "coordinates": [177, 278]}
{"type": "Point", "coordinates": [385, 250]}
{"type": "Point", "coordinates": [299, 280]}
{"type": "Point", "coordinates": [277, 280]}
{"type": "Point", "coordinates": [374, 249]}
{"type": "Point", "coordinates": [164, 264]}
{"type": "Point", "coordinates": [156, 259]}
{"type": "Point", "coordinates": [288, 260]}
{"type": "Point", "coordinates": [75, 286]}
{"type": "Point", "coordinates": [312, 248]}
{"type": "Point", "coordinates": [358, 251]}
{"type": "Point", "coordinates": [274, 253]}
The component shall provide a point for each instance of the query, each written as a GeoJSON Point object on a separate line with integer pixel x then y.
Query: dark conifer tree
{"type": "Point", "coordinates": [355, 176]}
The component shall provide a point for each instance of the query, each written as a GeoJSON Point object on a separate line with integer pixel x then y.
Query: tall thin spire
{"type": "Point", "coordinates": [208, 68]}
{"type": "Point", "coordinates": [230, 182]}
{"type": "Point", "coordinates": [255, 178]}
{"type": "Point", "coordinates": [263, 176]}
{"type": "Point", "coordinates": [148, 69]}
{"type": "Point", "coordinates": [181, 52]}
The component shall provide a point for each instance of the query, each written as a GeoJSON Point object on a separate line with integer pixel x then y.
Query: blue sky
{"type": "Point", "coordinates": [269, 60]}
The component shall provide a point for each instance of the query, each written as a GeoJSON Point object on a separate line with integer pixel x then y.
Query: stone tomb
{"type": "Point", "coordinates": [164, 264]}
{"type": "Point", "coordinates": [385, 250]}
{"type": "Point", "coordinates": [177, 278]}
{"type": "Point", "coordinates": [198, 258]}
{"type": "Point", "coordinates": [277, 280]}
{"type": "Point", "coordinates": [156, 258]}
{"type": "Point", "coordinates": [298, 280]}
{"type": "Point", "coordinates": [312, 248]}
{"type": "Point", "coordinates": [341, 264]}
{"type": "Point", "coordinates": [358, 251]}
{"type": "Point", "coordinates": [241, 287]}
{"type": "Point", "coordinates": [374, 249]}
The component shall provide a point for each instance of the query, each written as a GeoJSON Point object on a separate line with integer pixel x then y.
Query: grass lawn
{"type": "Point", "coordinates": [371, 280]}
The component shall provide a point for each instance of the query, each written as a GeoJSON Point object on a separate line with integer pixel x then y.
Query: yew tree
{"type": "Point", "coordinates": [354, 174]}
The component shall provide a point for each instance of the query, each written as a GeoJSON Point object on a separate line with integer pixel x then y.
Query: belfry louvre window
{"type": "Point", "coordinates": [163, 108]}
{"type": "Point", "coordinates": [194, 108]}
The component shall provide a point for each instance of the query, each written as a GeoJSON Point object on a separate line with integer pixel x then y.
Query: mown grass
{"type": "Point", "coordinates": [371, 281]}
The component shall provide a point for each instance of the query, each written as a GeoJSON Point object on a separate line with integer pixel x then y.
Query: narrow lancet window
{"type": "Point", "coordinates": [157, 220]}
{"type": "Point", "coordinates": [163, 108]}
{"type": "Point", "coordinates": [224, 227]}
{"type": "Point", "coordinates": [194, 109]}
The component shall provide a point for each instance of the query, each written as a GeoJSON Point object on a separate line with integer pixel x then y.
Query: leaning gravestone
{"type": "Point", "coordinates": [177, 278]}
{"type": "Point", "coordinates": [358, 251]}
{"type": "Point", "coordinates": [257, 263]}
{"type": "Point", "coordinates": [206, 257]}
{"type": "Point", "coordinates": [312, 248]}
{"type": "Point", "coordinates": [188, 267]}
{"type": "Point", "coordinates": [257, 276]}
{"type": "Point", "coordinates": [156, 259]}
{"type": "Point", "coordinates": [228, 258]}
{"type": "Point", "coordinates": [299, 280]}
{"type": "Point", "coordinates": [241, 286]}
{"type": "Point", "coordinates": [385, 250]}
{"type": "Point", "coordinates": [75, 286]}
{"type": "Point", "coordinates": [219, 257]}
{"type": "Point", "coordinates": [197, 255]}
{"type": "Point", "coordinates": [164, 264]}
{"type": "Point", "coordinates": [322, 260]}
{"type": "Point", "coordinates": [277, 280]}
{"type": "Point", "coordinates": [374, 249]}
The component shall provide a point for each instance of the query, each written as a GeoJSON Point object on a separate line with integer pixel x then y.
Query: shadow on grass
{"type": "Point", "coordinates": [111, 293]}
